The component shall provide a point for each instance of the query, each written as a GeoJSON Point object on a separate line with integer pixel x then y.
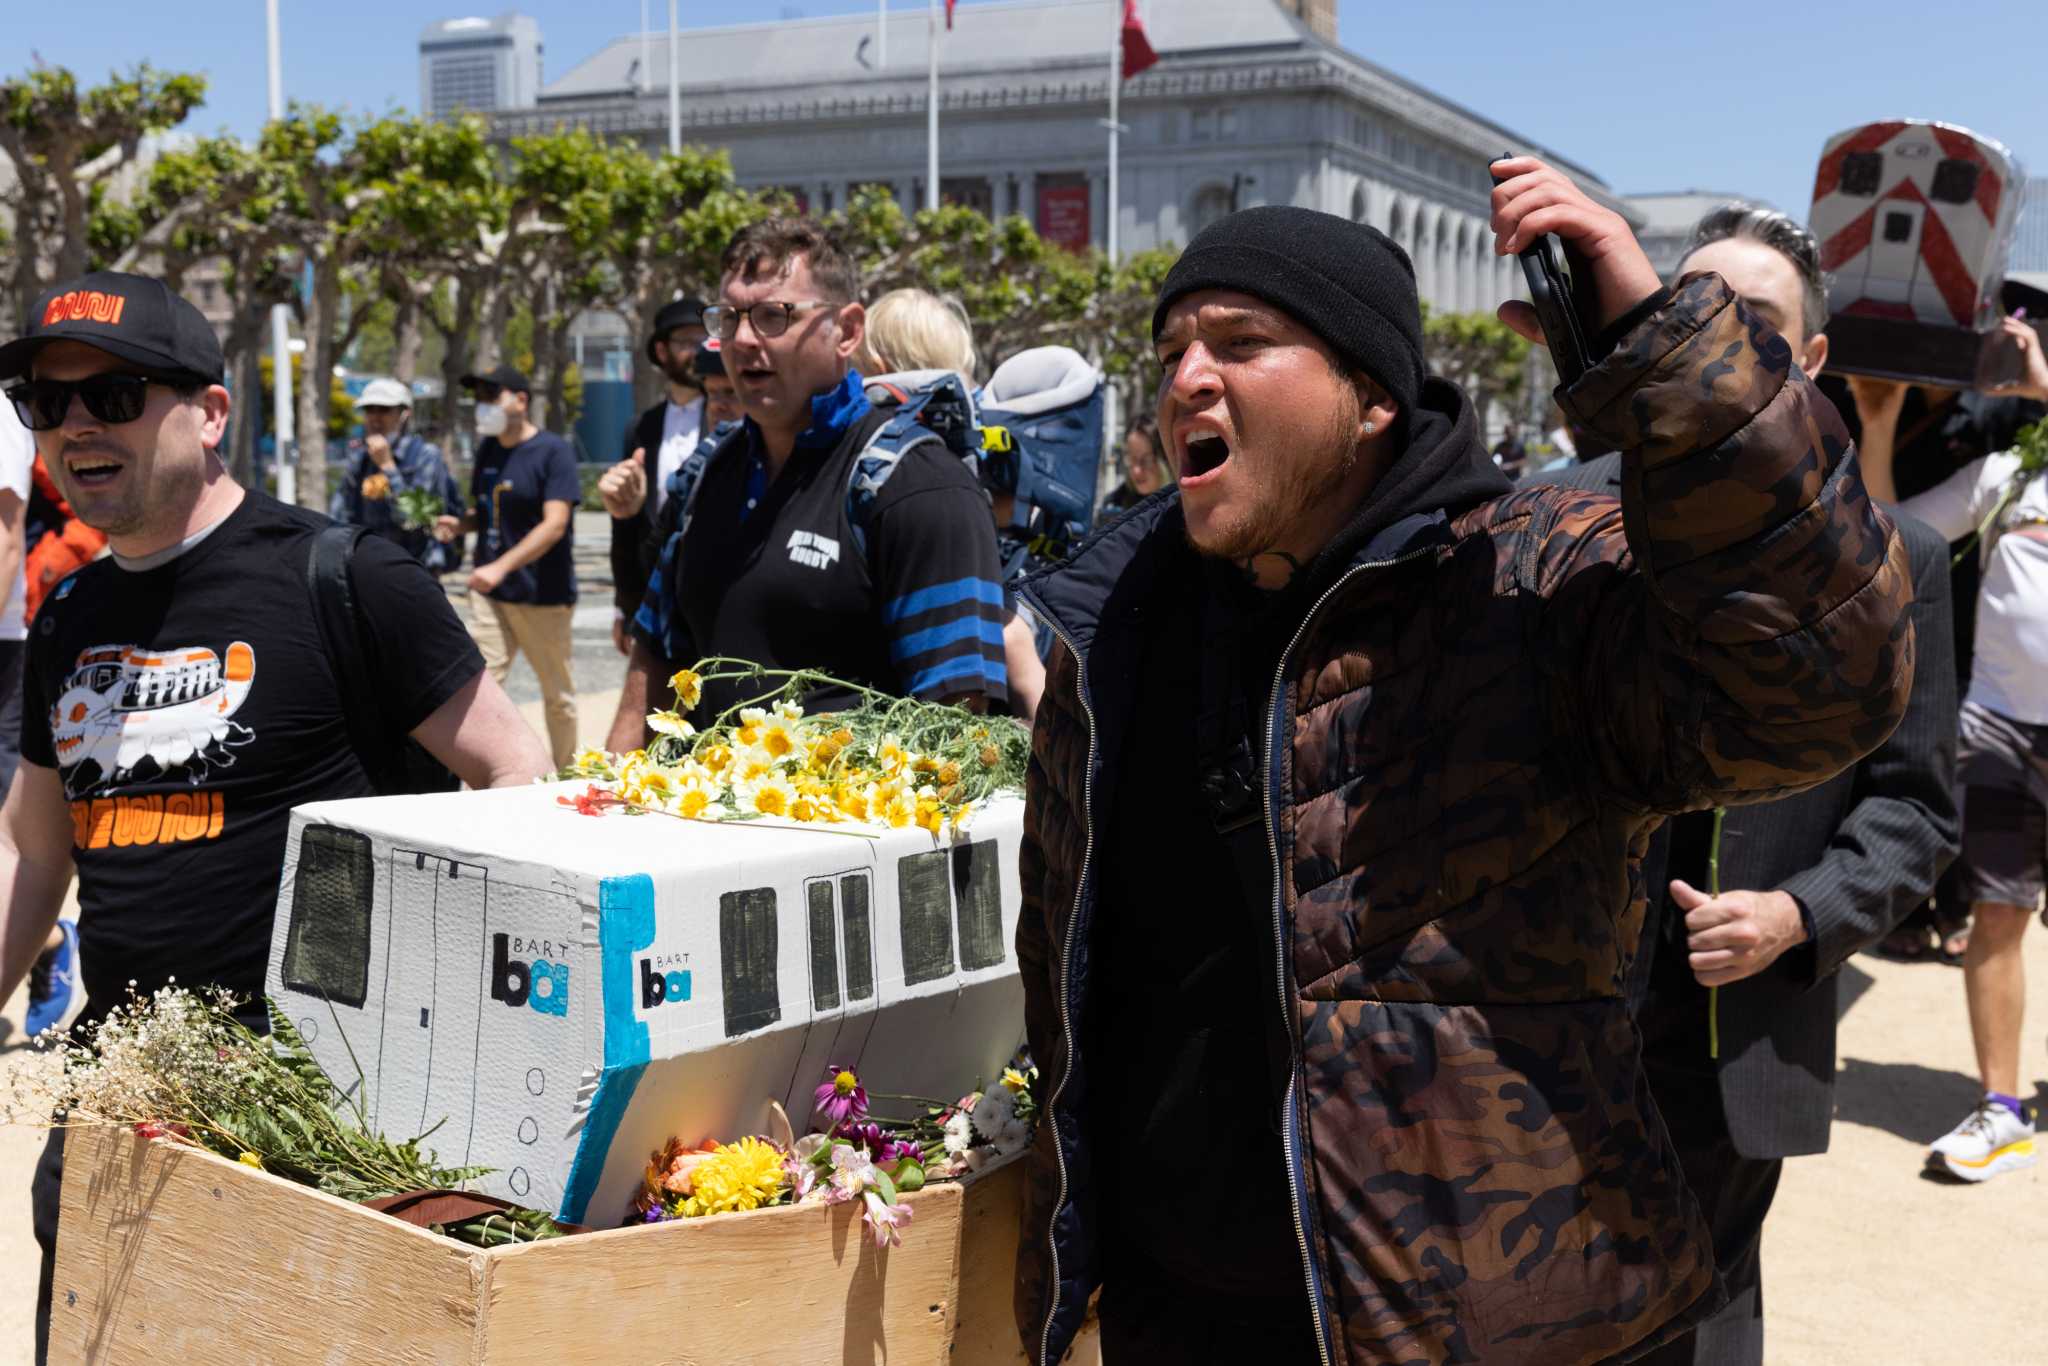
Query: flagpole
{"type": "Point", "coordinates": [646, 51]}
{"type": "Point", "coordinates": [882, 34]}
{"type": "Point", "coordinates": [282, 418]}
{"type": "Point", "coordinates": [675, 98]}
{"type": "Point", "coordinates": [931, 164]}
{"type": "Point", "coordinates": [1116, 81]}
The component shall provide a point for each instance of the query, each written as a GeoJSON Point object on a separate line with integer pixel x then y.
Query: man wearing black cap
{"type": "Point", "coordinates": [1340, 784]}
{"type": "Point", "coordinates": [522, 594]}
{"type": "Point", "coordinates": [178, 700]}
{"type": "Point", "coordinates": [634, 490]}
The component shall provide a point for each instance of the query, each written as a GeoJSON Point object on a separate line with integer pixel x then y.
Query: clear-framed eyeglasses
{"type": "Point", "coordinates": [770, 317]}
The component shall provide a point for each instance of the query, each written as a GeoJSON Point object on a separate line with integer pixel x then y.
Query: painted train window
{"type": "Point", "coordinates": [327, 947]}
{"type": "Point", "coordinates": [1955, 181]}
{"type": "Point", "coordinates": [978, 891]}
{"type": "Point", "coordinates": [824, 947]}
{"type": "Point", "coordinates": [746, 951]}
{"type": "Point", "coordinates": [860, 938]}
{"type": "Point", "coordinates": [923, 886]}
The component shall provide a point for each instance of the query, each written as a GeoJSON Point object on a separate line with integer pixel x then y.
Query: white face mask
{"type": "Point", "coordinates": [490, 419]}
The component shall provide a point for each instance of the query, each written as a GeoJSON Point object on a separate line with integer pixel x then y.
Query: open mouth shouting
{"type": "Point", "coordinates": [91, 470]}
{"type": "Point", "coordinates": [1203, 452]}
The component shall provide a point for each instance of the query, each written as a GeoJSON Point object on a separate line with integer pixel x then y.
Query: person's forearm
{"type": "Point", "coordinates": [532, 545]}
{"type": "Point", "coordinates": [35, 894]}
{"type": "Point", "coordinates": [629, 722]}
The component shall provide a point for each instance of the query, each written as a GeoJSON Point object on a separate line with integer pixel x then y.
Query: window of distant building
{"type": "Point", "coordinates": [1211, 203]}
{"type": "Point", "coordinates": [465, 83]}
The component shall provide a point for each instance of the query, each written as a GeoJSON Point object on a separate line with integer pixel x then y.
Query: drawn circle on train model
{"type": "Point", "coordinates": [308, 1030]}
{"type": "Point", "coordinates": [535, 1080]}
{"type": "Point", "coordinates": [529, 1131]}
{"type": "Point", "coordinates": [518, 1180]}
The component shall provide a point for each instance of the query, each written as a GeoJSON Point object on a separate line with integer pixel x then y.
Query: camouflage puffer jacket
{"type": "Point", "coordinates": [1478, 723]}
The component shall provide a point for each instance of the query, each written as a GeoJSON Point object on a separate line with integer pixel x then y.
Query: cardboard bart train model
{"type": "Point", "coordinates": [554, 995]}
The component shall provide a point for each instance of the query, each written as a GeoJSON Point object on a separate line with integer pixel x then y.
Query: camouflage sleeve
{"type": "Point", "coordinates": [1761, 644]}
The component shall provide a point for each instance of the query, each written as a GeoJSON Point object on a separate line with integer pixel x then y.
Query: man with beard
{"type": "Point", "coordinates": [179, 701]}
{"type": "Point", "coordinates": [636, 489]}
{"type": "Point", "coordinates": [1340, 786]}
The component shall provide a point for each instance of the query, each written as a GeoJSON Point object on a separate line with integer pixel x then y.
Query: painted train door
{"type": "Point", "coordinates": [422, 1059]}
{"type": "Point", "coordinates": [839, 931]}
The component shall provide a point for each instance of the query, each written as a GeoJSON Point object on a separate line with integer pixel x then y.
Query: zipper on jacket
{"type": "Point", "coordinates": [1066, 1013]}
{"type": "Point", "coordinates": [1290, 1137]}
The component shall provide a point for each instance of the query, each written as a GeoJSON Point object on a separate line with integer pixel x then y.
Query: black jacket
{"type": "Point", "coordinates": [637, 540]}
{"type": "Point", "coordinates": [1859, 852]}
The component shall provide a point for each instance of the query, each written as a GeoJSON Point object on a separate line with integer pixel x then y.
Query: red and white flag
{"type": "Point", "coordinates": [1137, 48]}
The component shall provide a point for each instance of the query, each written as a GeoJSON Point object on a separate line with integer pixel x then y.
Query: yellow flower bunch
{"type": "Point", "coordinates": [892, 762]}
{"type": "Point", "coordinates": [742, 1175]}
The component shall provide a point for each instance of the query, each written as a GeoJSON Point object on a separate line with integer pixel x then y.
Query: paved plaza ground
{"type": "Point", "coordinates": [1865, 1259]}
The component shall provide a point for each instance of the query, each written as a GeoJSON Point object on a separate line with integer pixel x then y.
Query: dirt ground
{"type": "Point", "coordinates": [1865, 1259]}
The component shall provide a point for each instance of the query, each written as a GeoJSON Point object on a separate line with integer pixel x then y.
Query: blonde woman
{"type": "Point", "coordinates": [911, 330]}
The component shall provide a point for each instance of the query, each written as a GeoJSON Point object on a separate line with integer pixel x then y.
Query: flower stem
{"type": "Point", "coordinates": [1714, 889]}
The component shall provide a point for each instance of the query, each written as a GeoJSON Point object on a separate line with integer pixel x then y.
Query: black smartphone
{"type": "Point", "coordinates": [1545, 266]}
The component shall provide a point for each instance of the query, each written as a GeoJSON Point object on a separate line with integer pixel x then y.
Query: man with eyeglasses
{"type": "Point", "coordinates": [789, 554]}
{"type": "Point", "coordinates": [524, 489]}
{"type": "Point", "coordinates": [178, 700]}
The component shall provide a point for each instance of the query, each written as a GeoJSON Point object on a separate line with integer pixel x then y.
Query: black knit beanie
{"type": "Point", "coordinates": [1349, 283]}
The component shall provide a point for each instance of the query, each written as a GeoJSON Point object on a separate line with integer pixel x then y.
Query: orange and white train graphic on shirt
{"type": "Point", "coordinates": [126, 714]}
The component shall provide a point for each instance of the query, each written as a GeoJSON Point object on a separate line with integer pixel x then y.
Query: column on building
{"type": "Point", "coordinates": [1098, 208]}
{"type": "Point", "coordinates": [1027, 196]}
{"type": "Point", "coordinates": [999, 198]}
{"type": "Point", "coordinates": [1427, 221]}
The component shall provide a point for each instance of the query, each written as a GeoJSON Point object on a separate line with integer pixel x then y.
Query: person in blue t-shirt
{"type": "Point", "coordinates": [524, 492]}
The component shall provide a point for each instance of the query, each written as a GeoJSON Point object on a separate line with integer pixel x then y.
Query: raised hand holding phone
{"type": "Point", "coordinates": [1609, 274]}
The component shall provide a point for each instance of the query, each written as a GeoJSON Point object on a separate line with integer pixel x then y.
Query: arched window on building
{"type": "Point", "coordinates": [1211, 203]}
{"type": "Point", "coordinates": [1358, 205]}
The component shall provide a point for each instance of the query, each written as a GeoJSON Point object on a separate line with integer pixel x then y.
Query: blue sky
{"type": "Point", "coordinates": [1650, 95]}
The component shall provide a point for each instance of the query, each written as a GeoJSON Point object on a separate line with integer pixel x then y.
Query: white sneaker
{"type": "Point", "coordinates": [1991, 1142]}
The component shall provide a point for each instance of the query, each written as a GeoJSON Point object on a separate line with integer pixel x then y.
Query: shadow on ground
{"type": "Point", "coordinates": [1908, 1100]}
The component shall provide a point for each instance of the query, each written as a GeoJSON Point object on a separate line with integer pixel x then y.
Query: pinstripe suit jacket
{"type": "Point", "coordinates": [1859, 852]}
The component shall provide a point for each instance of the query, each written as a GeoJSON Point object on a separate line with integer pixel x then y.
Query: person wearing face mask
{"type": "Point", "coordinates": [1745, 1079]}
{"type": "Point", "coordinates": [770, 563]}
{"type": "Point", "coordinates": [389, 460]}
{"type": "Point", "coordinates": [524, 491]}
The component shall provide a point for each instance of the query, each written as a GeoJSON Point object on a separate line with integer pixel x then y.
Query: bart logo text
{"type": "Point", "coordinates": [85, 305]}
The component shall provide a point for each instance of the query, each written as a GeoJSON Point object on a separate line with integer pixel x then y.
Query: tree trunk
{"type": "Point", "coordinates": [405, 328]}
{"type": "Point", "coordinates": [558, 374]}
{"type": "Point", "coordinates": [243, 353]}
{"type": "Point", "coordinates": [316, 380]}
{"type": "Point", "coordinates": [458, 354]}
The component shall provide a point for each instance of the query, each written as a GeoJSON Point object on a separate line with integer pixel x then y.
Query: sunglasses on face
{"type": "Point", "coordinates": [42, 404]}
{"type": "Point", "coordinates": [770, 318]}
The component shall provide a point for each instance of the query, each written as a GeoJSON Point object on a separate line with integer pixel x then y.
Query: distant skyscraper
{"type": "Point", "coordinates": [2030, 245]}
{"type": "Point", "coordinates": [479, 64]}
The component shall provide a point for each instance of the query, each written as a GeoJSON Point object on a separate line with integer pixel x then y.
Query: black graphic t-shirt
{"type": "Point", "coordinates": [188, 708]}
{"type": "Point", "coordinates": [511, 487]}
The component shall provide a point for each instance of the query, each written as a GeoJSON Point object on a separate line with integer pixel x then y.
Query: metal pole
{"type": "Point", "coordinates": [1116, 84]}
{"type": "Point", "coordinates": [931, 161]}
{"type": "Point", "coordinates": [281, 423]}
{"type": "Point", "coordinates": [881, 34]}
{"type": "Point", "coordinates": [646, 51]}
{"type": "Point", "coordinates": [675, 96]}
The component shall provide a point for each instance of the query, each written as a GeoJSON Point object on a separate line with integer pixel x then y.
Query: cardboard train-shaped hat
{"type": "Point", "coordinates": [1914, 220]}
{"type": "Point", "coordinates": [554, 995]}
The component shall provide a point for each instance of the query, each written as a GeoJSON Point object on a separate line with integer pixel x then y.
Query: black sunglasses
{"type": "Point", "coordinates": [114, 397]}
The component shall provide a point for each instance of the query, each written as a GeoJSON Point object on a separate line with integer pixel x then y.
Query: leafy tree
{"type": "Point", "coordinates": [1480, 354]}
{"type": "Point", "coordinates": [64, 145]}
{"type": "Point", "coordinates": [306, 153]}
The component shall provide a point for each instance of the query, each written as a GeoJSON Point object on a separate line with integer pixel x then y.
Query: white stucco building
{"type": "Point", "coordinates": [1251, 103]}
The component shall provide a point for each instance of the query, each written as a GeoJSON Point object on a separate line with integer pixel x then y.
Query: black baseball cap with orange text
{"type": "Point", "coordinates": [138, 318]}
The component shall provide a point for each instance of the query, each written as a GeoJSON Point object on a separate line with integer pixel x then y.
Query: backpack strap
{"type": "Point", "coordinates": [893, 440]}
{"type": "Point", "coordinates": [332, 586]}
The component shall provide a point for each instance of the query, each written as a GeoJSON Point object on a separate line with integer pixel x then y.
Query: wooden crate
{"type": "Point", "coordinates": [167, 1253]}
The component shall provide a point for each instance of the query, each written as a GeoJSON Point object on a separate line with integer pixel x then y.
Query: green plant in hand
{"type": "Point", "coordinates": [417, 508]}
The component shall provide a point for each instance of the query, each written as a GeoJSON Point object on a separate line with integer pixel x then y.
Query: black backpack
{"type": "Point", "coordinates": [396, 763]}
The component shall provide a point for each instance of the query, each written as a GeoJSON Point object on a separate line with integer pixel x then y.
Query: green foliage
{"type": "Point", "coordinates": [341, 411]}
{"type": "Point", "coordinates": [1479, 353]}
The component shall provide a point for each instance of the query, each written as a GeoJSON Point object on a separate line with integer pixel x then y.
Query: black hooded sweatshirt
{"type": "Point", "coordinates": [1186, 1025]}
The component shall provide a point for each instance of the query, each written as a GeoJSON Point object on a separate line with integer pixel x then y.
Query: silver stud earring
{"type": "Point", "coordinates": [1369, 429]}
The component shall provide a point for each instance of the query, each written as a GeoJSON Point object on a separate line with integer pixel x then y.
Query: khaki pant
{"type": "Point", "coordinates": [503, 629]}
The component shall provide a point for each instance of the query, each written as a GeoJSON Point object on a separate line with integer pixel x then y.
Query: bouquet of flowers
{"type": "Point", "coordinates": [179, 1065]}
{"type": "Point", "coordinates": [417, 509]}
{"type": "Point", "coordinates": [890, 761]}
{"type": "Point", "coordinates": [857, 1156]}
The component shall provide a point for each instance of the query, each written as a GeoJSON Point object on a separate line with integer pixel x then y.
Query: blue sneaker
{"type": "Point", "coordinates": [55, 995]}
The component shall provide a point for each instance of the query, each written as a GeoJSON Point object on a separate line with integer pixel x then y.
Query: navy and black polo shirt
{"type": "Point", "coordinates": [774, 572]}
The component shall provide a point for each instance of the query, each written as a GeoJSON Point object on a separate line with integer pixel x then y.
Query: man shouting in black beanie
{"type": "Point", "coordinates": [1346, 762]}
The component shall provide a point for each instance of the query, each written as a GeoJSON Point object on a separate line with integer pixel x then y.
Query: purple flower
{"type": "Point", "coordinates": [868, 1136]}
{"type": "Point", "coordinates": [842, 1099]}
{"type": "Point", "coordinates": [898, 1149]}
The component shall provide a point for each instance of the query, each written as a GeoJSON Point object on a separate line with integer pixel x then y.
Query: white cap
{"type": "Point", "coordinates": [385, 393]}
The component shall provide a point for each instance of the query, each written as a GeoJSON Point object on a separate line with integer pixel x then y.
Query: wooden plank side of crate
{"type": "Point", "coordinates": [802, 1283]}
{"type": "Point", "coordinates": [167, 1253]}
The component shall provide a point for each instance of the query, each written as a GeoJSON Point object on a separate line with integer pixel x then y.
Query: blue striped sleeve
{"type": "Point", "coordinates": [941, 595]}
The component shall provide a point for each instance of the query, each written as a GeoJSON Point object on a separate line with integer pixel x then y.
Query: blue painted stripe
{"type": "Point", "coordinates": [943, 595]}
{"type": "Point", "coordinates": [973, 667]}
{"type": "Point", "coordinates": [937, 637]}
{"type": "Point", "coordinates": [625, 925]}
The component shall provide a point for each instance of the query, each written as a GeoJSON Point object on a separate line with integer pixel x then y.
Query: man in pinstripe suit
{"type": "Point", "coordinates": [1735, 993]}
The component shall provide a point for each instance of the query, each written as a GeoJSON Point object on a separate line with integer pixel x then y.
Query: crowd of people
{"type": "Point", "coordinates": [1468, 862]}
